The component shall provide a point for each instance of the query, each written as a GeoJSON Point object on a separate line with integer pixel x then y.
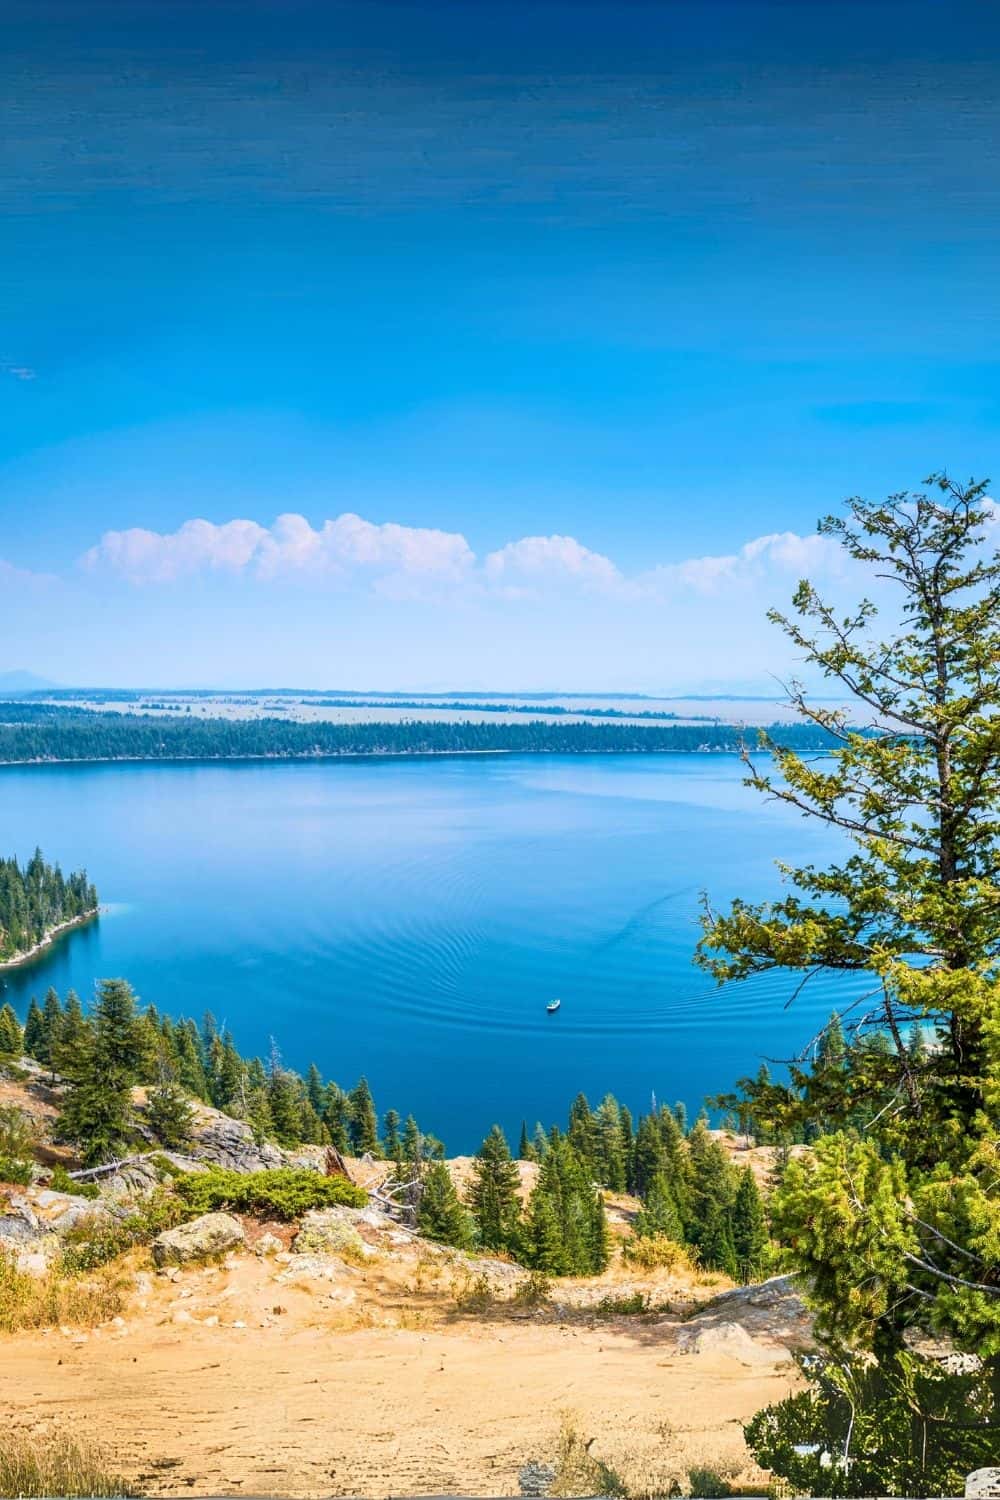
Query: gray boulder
{"type": "Point", "coordinates": [211, 1234]}
{"type": "Point", "coordinates": [982, 1483]}
{"type": "Point", "coordinates": [329, 1231]}
{"type": "Point", "coordinates": [230, 1143]}
{"type": "Point", "coordinates": [19, 1224]}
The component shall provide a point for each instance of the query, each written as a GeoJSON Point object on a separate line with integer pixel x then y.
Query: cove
{"type": "Point", "coordinates": [411, 919]}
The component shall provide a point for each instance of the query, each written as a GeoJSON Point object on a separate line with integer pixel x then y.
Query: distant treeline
{"type": "Point", "coordinates": [35, 899]}
{"type": "Point", "coordinates": [555, 709]}
{"type": "Point", "coordinates": [43, 733]}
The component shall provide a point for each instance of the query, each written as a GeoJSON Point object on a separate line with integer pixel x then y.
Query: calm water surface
{"type": "Point", "coordinates": [411, 919]}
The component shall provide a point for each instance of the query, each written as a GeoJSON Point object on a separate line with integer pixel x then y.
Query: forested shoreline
{"type": "Point", "coordinates": [44, 733]}
{"type": "Point", "coordinates": [695, 1203]}
{"type": "Point", "coordinates": [37, 901]}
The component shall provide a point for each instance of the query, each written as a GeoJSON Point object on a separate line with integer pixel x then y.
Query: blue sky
{"type": "Point", "coordinates": [570, 304]}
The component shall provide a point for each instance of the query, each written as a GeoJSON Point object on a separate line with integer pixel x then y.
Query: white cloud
{"type": "Point", "coordinates": [155, 557]}
{"type": "Point", "coordinates": [535, 560]}
{"type": "Point", "coordinates": [290, 545]}
{"type": "Point", "coordinates": [410, 561]}
{"type": "Point", "coordinates": [782, 553]}
{"type": "Point", "coordinates": [10, 575]}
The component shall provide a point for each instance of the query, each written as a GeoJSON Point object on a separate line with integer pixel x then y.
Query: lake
{"type": "Point", "coordinates": [411, 919]}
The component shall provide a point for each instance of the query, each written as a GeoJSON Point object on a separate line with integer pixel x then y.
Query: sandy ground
{"type": "Point", "coordinates": [301, 1376]}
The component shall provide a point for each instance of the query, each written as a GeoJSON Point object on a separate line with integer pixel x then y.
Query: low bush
{"type": "Point", "coordinates": [287, 1193]}
{"type": "Point", "coordinates": [578, 1472]}
{"type": "Point", "coordinates": [622, 1307]}
{"type": "Point", "coordinates": [62, 1182]}
{"type": "Point", "coordinates": [17, 1141]}
{"type": "Point", "coordinates": [707, 1483]}
{"type": "Point", "coordinates": [55, 1465]}
{"type": "Point", "coordinates": [15, 1171]}
{"type": "Point", "coordinates": [655, 1252]}
{"type": "Point", "coordinates": [476, 1296]}
{"type": "Point", "coordinates": [98, 1239]}
{"type": "Point", "coordinates": [533, 1291]}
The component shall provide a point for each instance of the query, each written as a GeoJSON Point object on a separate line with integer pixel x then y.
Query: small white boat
{"type": "Point", "coordinates": [552, 1007]}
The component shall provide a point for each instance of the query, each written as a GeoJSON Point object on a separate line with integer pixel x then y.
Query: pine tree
{"type": "Point", "coordinates": [413, 1146]}
{"type": "Point", "coordinates": [229, 1079]}
{"type": "Point", "coordinates": [441, 1215]}
{"type": "Point", "coordinates": [258, 1111]}
{"type": "Point", "coordinates": [34, 1031]}
{"type": "Point", "coordinates": [628, 1141]}
{"type": "Point", "coordinates": [712, 1191]}
{"type": "Point", "coordinates": [582, 1132]}
{"type": "Point", "coordinates": [97, 1112]}
{"type": "Point", "coordinates": [393, 1142]}
{"type": "Point", "coordinates": [897, 1230]}
{"type": "Point", "coordinates": [831, 1049]}
{"type": "Point", "coordinates": [681, 1116]}
{"type": "Point", "coordinates": [11, 1036]}
{"type": "Point", "coordinates": [565, 1230]}
{"type": "Point", "coordinates": [52, 1018]}
{"type": "Point", "coordinates": [610, 1144]}
{"type": "Point", "coordinates": [649, 1156]}
{"type": "Point", "coordinates": [285, 1099]}
{"type": "Point", "coordinates": [749, 1221]}
{"type": "Point", "coordinates": [659, 1213]}
{"type": "Point", "coordinates": [363, 1121]}
{"type": "Point", "coordinates": [190, 1066]}
{"type": "Point", "coordinates": [335, 1117]}
{"type": "Point", "coordinates": [525, 1150]}
{"type": "Point", "coordinates": [170, 1115]}
{"type": "Point", "coordinates": [716, 1250]}
{"type": "Point", "coordinates": [917, 1045]}
{"type": "Point", "coordinates": [494, 1194]}
{"type": "Point", "coordinates": [314, 1088]}
{"type": "Point", "coordinates": [71, 1046]}
{"type": "Point", "coordinates": [311, 1129]}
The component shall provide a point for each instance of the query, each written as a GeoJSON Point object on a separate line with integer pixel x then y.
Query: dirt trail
{"type": "Point", "coordinates": [366, 1380]}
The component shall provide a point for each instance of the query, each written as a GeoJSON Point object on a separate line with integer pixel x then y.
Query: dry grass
{"type": "Point", "coordinates": [656, 1252]}
{"type": "Point", "coordinates": [578, 1472]}
{"type": "Point", "coordinates": [57, 1298]}
{"type": "Point", "coordinates": [57, 1465]}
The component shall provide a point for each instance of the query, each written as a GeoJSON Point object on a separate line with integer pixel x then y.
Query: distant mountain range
{"type": "Point", "coordinates": [24, 682]}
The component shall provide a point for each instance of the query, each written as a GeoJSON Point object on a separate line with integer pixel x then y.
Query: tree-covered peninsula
{"type": "Point", "coordinates": [47, 732]}
{"type": "Point", "coordinates": [36, 901]}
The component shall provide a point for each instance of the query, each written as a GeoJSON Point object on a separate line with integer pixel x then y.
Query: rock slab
{"type": "Point", "coordinates": [211, 1234]}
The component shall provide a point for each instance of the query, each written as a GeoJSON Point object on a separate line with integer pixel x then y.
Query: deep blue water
{"type": "Point", "coordinates": [410, 919]}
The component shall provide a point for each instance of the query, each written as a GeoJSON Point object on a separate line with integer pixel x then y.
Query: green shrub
{"type": "Point", "coordinates": [655, 1252]}
{"type": "Point", "coordinates": [96, 1240]}
{"type": "Point", "coordinates": [165, 1166]}
{"type": "Point", "coordinates": [622, 1307]}
{"type": "Point", "coordinates": [533, 1291]}
{"type": "Point", "coordinates": [17, 1141]}
{"type": "Point", "coordinates": [707, 1483]}
{"type": "Point", "coordinates": [62, 1182]}
{"type": "Point", "coordinates": [15, 1171]}
{"type": "Point", "coordinates": [287, 1193]}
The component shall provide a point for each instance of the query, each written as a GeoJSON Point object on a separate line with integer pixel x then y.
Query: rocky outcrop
{"type": "Point", "coordinates": [19, 1224]}
{"type": "Point", "coordinates": [211, 1234]}
{"type": "Point", "coordinates": [757, 1326]}
{"type": "Point", "coordinates": [329, 1231]}
{"type": "Point", "coordinates": [225, 1142]}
